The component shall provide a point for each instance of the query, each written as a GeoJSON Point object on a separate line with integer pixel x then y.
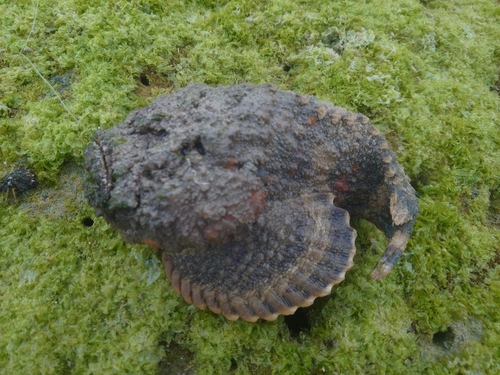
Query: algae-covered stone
{"type": "Point", "coordinates": [247, 192]}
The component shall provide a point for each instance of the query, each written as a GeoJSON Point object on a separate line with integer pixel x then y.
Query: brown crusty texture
{"type": "Point", "coordinates": [247, 193]}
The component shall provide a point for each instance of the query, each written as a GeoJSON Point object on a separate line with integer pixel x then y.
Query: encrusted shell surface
{"type": "Point", "coordinates": [247, 193]}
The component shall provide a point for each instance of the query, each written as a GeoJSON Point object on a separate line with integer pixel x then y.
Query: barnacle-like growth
{"type": "Point", "coordinates": [19, 181]}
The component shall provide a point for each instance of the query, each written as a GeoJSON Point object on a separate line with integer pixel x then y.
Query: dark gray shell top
{"type": "Point", "coordinates": [247, 193]}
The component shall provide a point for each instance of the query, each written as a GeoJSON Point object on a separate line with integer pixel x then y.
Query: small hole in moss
{"type": "Point", "coordinates": [286, 68]}
{"type": "Point", "coordinates": [444, 339]}
{"type": "Point", "coordinates": [412, 328]}
{"type": "Point", "coordinates": [234, 365]}
{"type": "Point", "coordinates": [425, 2]}
{"type": "Point", "coordinates": [330, 344]}
{"type": "Point", "coordinates": [177, 360]}
{"type": "Point", "coordinates": [298, 322]}
{"type": "Point", "coordinates": [496, 87]}
{"type": "Point", "coordinates": [88, 222]}
{"type": "Point", "coordinates": [144, 79]}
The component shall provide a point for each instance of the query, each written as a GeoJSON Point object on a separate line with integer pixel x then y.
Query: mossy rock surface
{"type": "Point", "coordinates": [75, 299]}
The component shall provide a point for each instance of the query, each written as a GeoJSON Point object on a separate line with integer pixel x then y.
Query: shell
{"type": "Point", "coordinates": [247, 191]}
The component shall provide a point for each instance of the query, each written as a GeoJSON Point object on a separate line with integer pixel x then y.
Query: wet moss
{"type": "Point", "coordinates": [76, 299]}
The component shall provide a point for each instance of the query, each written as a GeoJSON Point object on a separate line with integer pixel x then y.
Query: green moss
{"type": "Point", "coordinates": [76, 299]}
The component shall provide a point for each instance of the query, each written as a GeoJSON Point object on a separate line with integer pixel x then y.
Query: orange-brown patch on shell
{"type": "Point", "coordinates": [151, 243]}
{"type": "Point", "coordinates": [219, 230]}
{"type": "Point", "coordinates": [231, 163]}
{"type": "Point", "coordinates": [257, 202]}
{"type": "Point", "coordinates": [341, 184]}
{"type": "Point", "coordinates": [311, 121]}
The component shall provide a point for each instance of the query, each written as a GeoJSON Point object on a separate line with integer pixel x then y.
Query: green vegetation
{"type": "Point", "coordinates": [76, 300]}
